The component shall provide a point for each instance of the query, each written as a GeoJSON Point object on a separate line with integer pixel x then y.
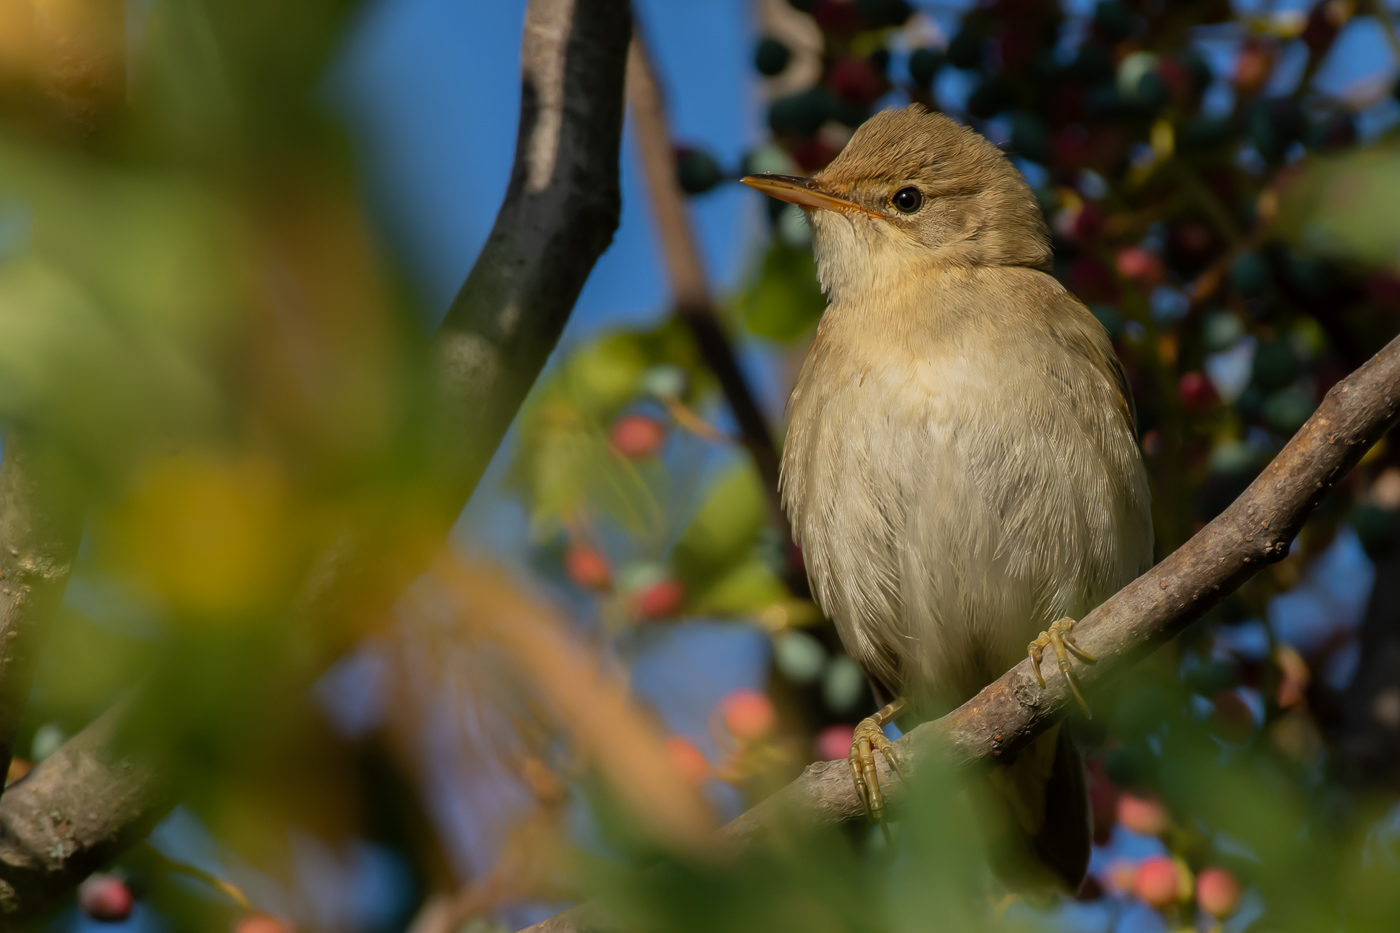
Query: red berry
{"type": "Point", "coordinates": [855, 79]}
{"type": "Point", "coordinates": [637, 436]}
{"type": "Point", "coordinates": [105, 898]}
{"type": "Point", "coordinates": [834, 742]}
{"type": "Point", "coordinates": [688, 760]}
{"type": "Point", "coordinates": [1197, 392]}
{"type": "Point", "coordinates": [1142, 816]}
{"type": "Point", "coordinates": [1217, 892]}
{"type": "Point", "coordinates": [1141, 266]}
{"type": "Point", "coordinates": [659, 600]}
{"type": "Point", "coordinates": [748, 714]}
{"type": "Point", "coordinates": [1158, 882]}
{"type": "Point", "coordinates": [836, 17]}
{"type": "Point", "coordinates": [1253, 65]}
{"type": "Point", "coordinates": [260, 923]}
{"type": "Point", "coordinates": [587, 567]}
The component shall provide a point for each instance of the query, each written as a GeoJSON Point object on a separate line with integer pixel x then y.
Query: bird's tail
{"type": "Point", "coordinates": [1037, 817]}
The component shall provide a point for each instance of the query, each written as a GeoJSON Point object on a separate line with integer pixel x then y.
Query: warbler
{"type": "Point", "coordinates": [961, 466]}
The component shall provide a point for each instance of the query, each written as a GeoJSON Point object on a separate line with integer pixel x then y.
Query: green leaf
{"type": "Point", "coordinates": [725, 530]}
{"type": "Point", "coordinates": [784, 300]}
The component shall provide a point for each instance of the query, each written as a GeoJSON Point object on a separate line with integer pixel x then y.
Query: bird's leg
{"type": "Point", "coordinates": [1058, 638]}
{"type": "Point", "coordinates": [870, 737]}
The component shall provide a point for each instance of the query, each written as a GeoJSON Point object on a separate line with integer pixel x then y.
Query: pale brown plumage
{"type": "Point", "coordinates": [960, 465]}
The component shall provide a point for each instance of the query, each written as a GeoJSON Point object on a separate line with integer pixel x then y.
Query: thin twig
{"type": "Point", "coordinates": [688, 282]}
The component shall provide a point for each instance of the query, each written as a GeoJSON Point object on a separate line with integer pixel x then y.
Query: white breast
{"type": "Point", "coordinates": [957, 483]}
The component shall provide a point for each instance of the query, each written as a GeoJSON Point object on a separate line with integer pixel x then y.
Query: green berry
{"type": "Point", "coordinates": [697, 171]}
{"type": "Point", "coordinates": [965, 50]}
{"type": "Point", "coordinates": [923, 66]}
{"type": "Point", "coordinates": [771, 56]}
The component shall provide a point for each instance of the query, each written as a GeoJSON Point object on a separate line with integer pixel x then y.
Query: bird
{"type": "Point", "coordinates": [961, 466]}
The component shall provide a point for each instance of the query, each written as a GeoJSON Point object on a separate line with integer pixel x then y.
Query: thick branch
{"type": "Point", "coordinates": [1256, 530]}
{"type": "Point", "coordinates": [559, 214]}
{"type": "Point", "coordinates": [41, 525]}
{"type": "Point", "coordinates": [84, 805]}
{"type": "Point", "coordinates": [81, 807]}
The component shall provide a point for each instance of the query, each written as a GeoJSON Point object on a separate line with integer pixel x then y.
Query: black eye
{"type": "Point", "coordinates": [907, 200]}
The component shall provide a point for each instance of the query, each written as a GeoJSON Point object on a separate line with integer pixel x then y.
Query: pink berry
{"type": "Point", "coordinates": [1158, 881]}
{"type": "Point", "coordinates": [748, 714]}
{"type": "Point", "coordinates": [834, 742]}
{"type": "Point", "coordinates": [260, 923]}
{"type": "Point", "coordinates": [1217, 892]}
{"type": "Point", "coordinates": [587, 568]}
{"type": "Point", "coordinates": [688, 760]}
{"type": "Point", "coordinates": [1142, 816]}
{"type": "Point", "coordinates": [1141, 265]}
{"type": "Point", "coordinates": [659, 600]}
{"type": "Point", "coordinates": [637, 437]}
{"type": "Point", "coordinates": [105, 898]}
{"type": "Point", "coordinates": [1197, 392]}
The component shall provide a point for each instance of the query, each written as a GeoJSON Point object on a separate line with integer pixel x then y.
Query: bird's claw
{"type": "Point", "coordinates": [869, 738]}
{"type": "Point", "coordinates": [1058, 638]}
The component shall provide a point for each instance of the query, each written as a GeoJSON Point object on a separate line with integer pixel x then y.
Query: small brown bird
{"type": "Point", "coordinates": [961, 467]}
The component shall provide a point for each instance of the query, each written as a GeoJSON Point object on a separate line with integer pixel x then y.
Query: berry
{"type": "Point", "coordinates": [1157, 881]}
{"type": "Point", "coordinates": [800, 114]}
{"type": "Point", "coordinates": [637, 436]}
{"type": "Point", "coordinates": [260, 923]}
{"type": "Point", "coordinates": [748, 714]}
{"type": "Point", "coordinates": [882, 14]}
{"type": "Point", "coordinates": [771, 57]}
{"type": "Point", "coordinates": [105, 898]}
{"type": "Point", "coordinates": [855, 79]}
{"type": "Point", "coordinates": [1141, 266]}
{"type": "Point", "coordinates": [1250, 274]}
{"type": "Point", "coordinates": [1142, 816]}
{"type": "Point", "coordinates": [688, 760]}
{"type": "Point", "coordinates": [965, 50]}
{"type": "Point", "coordinates": [587, 568]}
{"type": "Point", "coordinates": [1197, 393]}
{"type": "Point", "coordinates": [834, 742]}
{"type": "Point", "coordinates": [989, 98]}
{"type": "Point", "coordinates": [837, 18]}
{"type": "Point", "coordinates": [659, 600]}
{"type": "Point", "coordinates": [697, 171]}
{"type": "Point", "coordinates": [1217, 892]}
{"type": "Point", "coordinates": [924, 65]}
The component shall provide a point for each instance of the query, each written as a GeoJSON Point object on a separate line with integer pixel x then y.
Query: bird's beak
{"type": "Point", "coordinates": [804, 192]}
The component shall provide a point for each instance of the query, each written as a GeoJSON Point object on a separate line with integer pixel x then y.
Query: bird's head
{"type": "Point", "coordinates": [911, 192]}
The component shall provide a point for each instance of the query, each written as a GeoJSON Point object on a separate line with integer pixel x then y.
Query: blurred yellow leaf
{"type": "Point", "coordinates": [214, 538]}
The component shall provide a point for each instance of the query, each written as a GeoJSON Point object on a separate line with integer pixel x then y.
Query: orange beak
{"type": "Point", "coordinates": [804, 192]}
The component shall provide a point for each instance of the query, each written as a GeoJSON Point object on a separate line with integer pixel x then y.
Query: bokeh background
{"type": "Point", "coordinates": [217, 290]}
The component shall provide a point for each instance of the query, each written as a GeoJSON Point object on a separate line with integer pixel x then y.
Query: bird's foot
{"type": "Point", "coordinates": [1058, 638]}
{"type": "Point", "coordinates": [868, 739]}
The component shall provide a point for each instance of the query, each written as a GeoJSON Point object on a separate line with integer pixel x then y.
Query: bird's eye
{"type": "Point", "coordinates": [907, 200]}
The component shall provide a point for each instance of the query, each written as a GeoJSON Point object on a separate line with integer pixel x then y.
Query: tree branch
{"type": "Point", "coordinates": [687, 272]}
{"type": "Point", "coordinates": [80, 808]}
{"type": "Point", "coordinates": [41, 525]}
{"type": "Point", "coordinates": [1256, 530]}
{"type": "Point", "coordinates": [85, 804]}
{"type": "Point", "coordinates": [559, 214]}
